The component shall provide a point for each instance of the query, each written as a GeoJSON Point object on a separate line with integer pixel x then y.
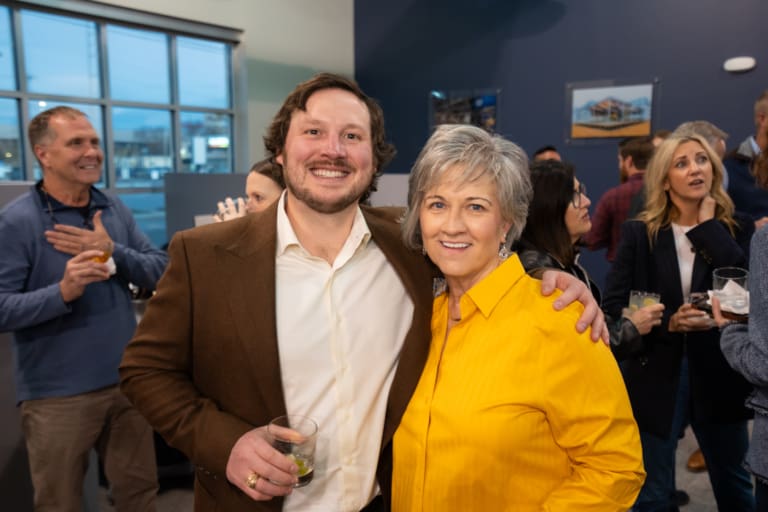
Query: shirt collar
{"type": "Point", "coordinates": [486, 294]}
{"type": "Point", "coordinates": [97, 200]}
{"type": "Point", "coordinates": [359, 235]}
{"type": "Point", "coordinates": [755, 147]}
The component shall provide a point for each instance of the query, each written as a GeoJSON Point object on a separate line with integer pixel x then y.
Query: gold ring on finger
{"type": "Point", "coordinates": [252, 480]}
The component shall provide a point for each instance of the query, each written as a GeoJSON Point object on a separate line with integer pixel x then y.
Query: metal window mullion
{"type": "Point", "coordinates": [137, 190]}
{"type": "Point", "coordinates": [166, 106]}
{"type": "Point", "coordinates": [232, 118]}
{"type": "Point", "coordinates": [106, 110]}
{"type": "Point", "coordinates": [28, 154]}
{"type": "Point", "coordinates": [239, 126]}
{"type": "Point", "coordinates": [132, 17]}
{"type": "Point", "coordinates": [173, 56]}
{"type": "Point", "coordinates": [21, 70]}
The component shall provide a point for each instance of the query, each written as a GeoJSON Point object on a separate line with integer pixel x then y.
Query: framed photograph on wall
{"type": "Point", "coordinates": [609, 111]}
{"type": "Point", "coordinates": [476, 107]}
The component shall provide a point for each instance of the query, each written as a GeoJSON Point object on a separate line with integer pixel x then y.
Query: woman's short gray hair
{"type": "Point", "coordinates": [476, 153]}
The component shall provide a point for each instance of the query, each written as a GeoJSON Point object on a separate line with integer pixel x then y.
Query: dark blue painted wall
{"type": "Point", "coordinates": [530, 50]}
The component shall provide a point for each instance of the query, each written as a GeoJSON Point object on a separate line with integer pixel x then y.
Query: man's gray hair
{"type": "Point", "coordinates": [476, 154]}
{"type": "Point", "coordinates": [711, 133]}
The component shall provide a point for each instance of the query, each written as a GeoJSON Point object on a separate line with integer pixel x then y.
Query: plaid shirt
{"type": "Point", "coordinates": [610, 214]}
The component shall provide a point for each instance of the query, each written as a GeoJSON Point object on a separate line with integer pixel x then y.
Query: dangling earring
{"type": "Point", "coordinates": [503, 250]}
{"type": "Point", "coordinates": [423, 251]}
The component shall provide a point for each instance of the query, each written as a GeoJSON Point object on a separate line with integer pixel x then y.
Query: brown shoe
{"type": "Point", "coordinates": [696, 462]}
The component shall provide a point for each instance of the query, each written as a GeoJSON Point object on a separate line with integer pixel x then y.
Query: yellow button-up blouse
{"type": "Point", "coordinates": [516, 411]}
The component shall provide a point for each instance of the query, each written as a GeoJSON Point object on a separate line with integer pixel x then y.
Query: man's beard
{"type": "Point", "coordinates": [304, 194]}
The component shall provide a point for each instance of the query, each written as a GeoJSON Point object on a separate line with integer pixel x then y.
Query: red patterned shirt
{"type": "Point", "coordinates": [610, 214]}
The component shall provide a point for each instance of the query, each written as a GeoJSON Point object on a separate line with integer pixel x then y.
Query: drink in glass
{"type": "Point", "coordinates": [639, 299]}
{"type": "Point", "coordinates": [729, 285]}
{"type": "Point", "coordinates": [296, 436]}
{"type": "Point", "coordinates": [105, 248]}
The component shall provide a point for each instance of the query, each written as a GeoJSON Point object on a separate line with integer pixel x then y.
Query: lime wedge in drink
{"type": "Point", "coordinates": [301, 463]}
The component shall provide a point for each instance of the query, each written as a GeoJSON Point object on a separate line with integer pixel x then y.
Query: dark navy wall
{"type": "Point", "coordinates": [530, 50]}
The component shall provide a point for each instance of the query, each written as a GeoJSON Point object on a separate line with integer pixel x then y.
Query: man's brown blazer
{"type": "Point", "coordinates": [203, 367]}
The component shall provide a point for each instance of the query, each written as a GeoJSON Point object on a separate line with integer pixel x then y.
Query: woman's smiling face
{"type": "Point", "coordinates": [462, 228]}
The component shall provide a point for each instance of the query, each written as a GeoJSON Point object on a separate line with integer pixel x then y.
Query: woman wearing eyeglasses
{"type": "Point", "coordinates": [558, 217]}
{"type": "Point", "coordinates": [687, 230]}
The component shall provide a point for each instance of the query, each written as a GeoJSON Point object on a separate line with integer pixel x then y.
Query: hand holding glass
{"type": "Point", "coordinates": [639, 299]}
{"type": "Point", "coordinates": [296, 436]}
{"type": "Point", "coordinates": [105, 246]}
{"type": "Point", "coordinates": [729, 285]}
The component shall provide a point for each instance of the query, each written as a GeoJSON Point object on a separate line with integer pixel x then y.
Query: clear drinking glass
{"type": "Point", "coordinates": [106, 249]}
{"type": "Point", "coordinates": [729, 285]}
{"type": "Point", "coordinates": [639, 299]}
{"type": "Point", "coordinates": [296, 436]}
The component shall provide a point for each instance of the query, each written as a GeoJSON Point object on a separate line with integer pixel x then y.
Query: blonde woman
{"type": "Point", "coordinates": [678, 373]}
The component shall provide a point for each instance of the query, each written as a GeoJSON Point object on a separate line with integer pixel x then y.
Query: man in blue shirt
{"type": "Point", "coordinates": [69, 308]}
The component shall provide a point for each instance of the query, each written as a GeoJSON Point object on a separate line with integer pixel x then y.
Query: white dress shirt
{"type": "Point", "coordinates": [685, 257]}
{"type": "Point", "coordinates": [340, 329]}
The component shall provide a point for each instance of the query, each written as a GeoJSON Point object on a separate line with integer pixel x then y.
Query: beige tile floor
{"type": "Point", "coordinates": [696, 484]}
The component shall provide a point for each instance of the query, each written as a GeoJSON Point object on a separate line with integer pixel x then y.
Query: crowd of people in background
{"type": "Point", "coordinates": [462, 332]}
{"type": "Point", "coordinates": [666, 229]}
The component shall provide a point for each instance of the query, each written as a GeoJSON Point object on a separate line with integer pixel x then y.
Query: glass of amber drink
{"type": "Point", "coordinates": [106, 248]}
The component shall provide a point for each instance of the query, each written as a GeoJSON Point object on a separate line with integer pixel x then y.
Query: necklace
{"type": "Point", "coordinates": [48, 202]}
{"type": "Point", "coordinates": [84, 210]}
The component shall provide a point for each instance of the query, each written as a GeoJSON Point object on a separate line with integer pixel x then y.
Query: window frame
{"type": "Point", "coordinates": [102, 15]}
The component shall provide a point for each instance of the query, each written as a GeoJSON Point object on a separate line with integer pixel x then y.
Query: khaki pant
{"type": "Point", "coordinates": [60, 433]}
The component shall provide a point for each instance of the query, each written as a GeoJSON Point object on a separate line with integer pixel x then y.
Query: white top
{"type": "Point", "coordinates": [340, 329]}
{"type": "Point", "coordinates": [685, 256]}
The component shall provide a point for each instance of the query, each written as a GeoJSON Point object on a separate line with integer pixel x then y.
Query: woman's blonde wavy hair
{"type": "Point", "coordinates": [659, 210]}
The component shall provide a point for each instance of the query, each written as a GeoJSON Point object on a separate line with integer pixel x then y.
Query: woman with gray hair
{"type": "Point", "coordinates": [514, 408]}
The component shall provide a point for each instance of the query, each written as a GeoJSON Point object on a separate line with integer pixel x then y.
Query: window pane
{"type": "Point", "coordinates": [206, 142]}
{"type": "Point", "coordinates": [62, 55]}
{"type": "Point", "coordinates": [7, 63]}
{"type": "Point", "coordinates": [10, 141]}
{"type": "Point", "coordinates": [138, 65]}
{"type": "Point", "coordinates": [203, 72]}
{"type": "Point", "coordinates": [94, 116]}
{"type": "Point", "coordinates": [149, 211]}
{"type": "Point", "coordinates": [142, 146]}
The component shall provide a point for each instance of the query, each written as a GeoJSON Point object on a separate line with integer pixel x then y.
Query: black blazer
{"type": "Point", "coordinates": [717, 392]}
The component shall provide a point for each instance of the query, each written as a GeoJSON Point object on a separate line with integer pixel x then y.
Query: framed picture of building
{"type": "Point", "coordinates": [610, 111]}
{"type": "Point", "coordinates": [476, 107]}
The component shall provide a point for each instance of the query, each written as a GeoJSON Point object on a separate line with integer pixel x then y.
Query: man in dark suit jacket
{"type": "Point", "coordinates": [215, 357]}
{"type": "Point", "coordinates": [747, 195]}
